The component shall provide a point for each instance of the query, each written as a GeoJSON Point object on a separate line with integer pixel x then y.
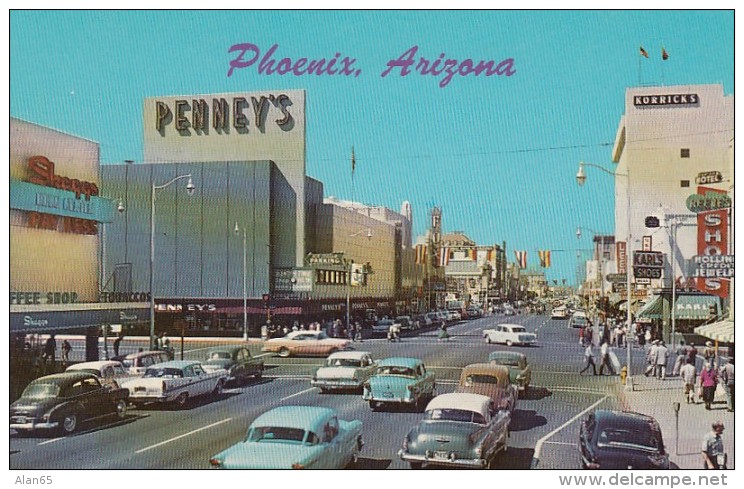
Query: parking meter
{"type": "Point", "coordinates": [676, 406]}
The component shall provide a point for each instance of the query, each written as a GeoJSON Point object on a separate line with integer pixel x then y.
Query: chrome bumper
{"type": "Point", "coordinates": [458, 462]}
{"type": "Point", "coordinates": [33, 426]}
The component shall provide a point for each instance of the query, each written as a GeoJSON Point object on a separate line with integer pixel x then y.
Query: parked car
{"type": "Point", "coordinates": [314, 343]}
{"type": "Point", "coordinates": [382, 326]}
{"type": "Point", "coordinates": [295, 437]}
{"type": "Point", "coordinates": [175, 382]}
{"type": "Point", "coordinates": [61, 402]}
{"type": "Point", "coordinates": [407, 323]}
{"type": "Point", "coordinates": [509, 334]}
{"type": "Point", "coordinates": [424, 321]}
{"type": "Point", "coordinates": [489, 380]}
{"type": "Point", "coordinates": [454, 315]}
{"type": "Point", "coordinates": [109, 372]}
{"type": "Point", "coordinates": [520, 372]}
{"type": "Point", "coordinates": [237, 361]}
{"type": "Point", "coordinates": [458, 430]}
{"type": "Point", "coordinates": [578, 320]}
{"type": "Point", "coordinates": [474, 312]}
{"type": "Point", "coordinates": [435, 318]}
{"type": "Point", "coordinates": [344, 370]}
{"type": "Point", "coordinates": [400, 380]}
{"type": "Point", "coordinates": [509, 311]}
{"type": "Point", "coordinates": [621, 440]}
{"type": "Point", "coordinates": [137, 363]}
{"type": "Point", "coordinates": [560, 312]}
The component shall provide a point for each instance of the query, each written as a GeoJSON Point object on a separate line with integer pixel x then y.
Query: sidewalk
{"type": "Point", "coordinates": [657, 397]}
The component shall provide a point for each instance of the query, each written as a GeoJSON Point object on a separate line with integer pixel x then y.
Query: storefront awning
{"type": "Point", "coordinates": [652, 310]}
{"type": "Point", "coordinates": [694, 307]}
{"type": "Point", "coordinates": [722, 331]}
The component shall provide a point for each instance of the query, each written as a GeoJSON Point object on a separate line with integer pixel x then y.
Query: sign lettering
{"type": "Point", "coordinates": [670, 99]}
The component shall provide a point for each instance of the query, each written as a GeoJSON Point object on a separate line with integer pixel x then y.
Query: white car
{"type": "Point", "coordinates": [175, 382]}
{"type": "Point", "coordinates": [509, 334]}
{"type": "Point", "coordinates": [559, 313]}
{"type": "Point", "coordinates": [108, 371]}
{"type": "Point", "coordinates": [344, 370]}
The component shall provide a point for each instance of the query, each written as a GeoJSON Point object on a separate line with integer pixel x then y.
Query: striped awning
{"type": "Point", "coordinates": [695, 307]}
{"type": "Point", "coordinates": [652, 310]}
{"type": "Point", "coordinates": [722, 331]}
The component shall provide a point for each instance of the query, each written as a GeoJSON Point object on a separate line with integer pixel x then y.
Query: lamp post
{"type": "Point", "coordinates": [104, 281]}
{"type": "Point", "coordinates": [348, 279]}
{"type": "Point", "coordinates": [581, 179]}
{"type": "Point", "coordinates": [245, 292]}
{"type": "Point", "coordinates": [189, 190]}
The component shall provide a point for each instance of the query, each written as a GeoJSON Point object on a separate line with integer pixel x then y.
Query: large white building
{"type": "Point", "coordinates": [672, 143]}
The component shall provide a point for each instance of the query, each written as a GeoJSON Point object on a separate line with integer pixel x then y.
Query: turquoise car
{"type": "Point", "coordinates": [520, 372]}
{"type": "Point", "coordinates": [402, 381]}
{"type": "Point", "coordinates": [295, 437]}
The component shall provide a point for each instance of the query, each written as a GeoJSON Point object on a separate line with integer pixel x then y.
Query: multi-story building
{"type": "Point", "coordinates": [472, 273]}
{"type": "Point", "coordinates": [674, 162]}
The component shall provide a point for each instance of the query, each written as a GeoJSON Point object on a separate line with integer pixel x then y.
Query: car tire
{"type": "Point", "coordinates": [284, 352]}
{"type": "Point", "coordinates": [374, 405]}
{"type": "Point", "coordinates": [121, 409]}
{"type": "Point", "coordinates": [416, 465]}
{"type": "Point", "coordinates": [323, 390]}
{"type": "Point", "coordinates": [217, 391]}
{"type": "Point", "coordinates": [69, 423]}
{"type": "Point", "coordinates": [259, 374]}
{"type": "Point", "coordinates": [488, 339]}
{"type": "Point", "coordinates": [181, 399]}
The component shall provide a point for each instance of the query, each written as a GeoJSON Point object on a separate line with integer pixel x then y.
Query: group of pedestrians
{"type": "Point", "coordinates": [605, 359]}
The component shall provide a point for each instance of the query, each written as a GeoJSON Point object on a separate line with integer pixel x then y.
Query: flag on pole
{"type": "Point", "coordinates": [421, 252]}
{"type": "Point", "coordinates": [644, 53]}
{"type": "Point", "coordinates": [521, 257]}
{"type": "Point", "coordinates": [544, 256]}
{"type": "Point", "coordinates": [443, 257]}
{"type": "Point", "coordinates": [664, 54]}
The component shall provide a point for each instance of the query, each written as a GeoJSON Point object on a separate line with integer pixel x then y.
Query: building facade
{"type": "Point", "coordinates": [673, 156]}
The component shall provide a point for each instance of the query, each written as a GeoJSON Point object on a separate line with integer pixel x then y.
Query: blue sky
{"type": "Point", "coordinates": [498, 154]}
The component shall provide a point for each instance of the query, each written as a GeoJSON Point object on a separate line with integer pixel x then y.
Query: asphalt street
{"type": "Point", "coordinates": [544, 430]}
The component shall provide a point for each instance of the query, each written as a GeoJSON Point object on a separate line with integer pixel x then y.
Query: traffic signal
{"type": "Point", "coordinates": [652, 222]}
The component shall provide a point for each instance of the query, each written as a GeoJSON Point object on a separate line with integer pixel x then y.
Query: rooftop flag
{"type": "Point", "coordinates": [644, 53]}
{"type": "Point", "coordinates": [664, 54]}
{"type": "Point", "coordinates": [521, 257]}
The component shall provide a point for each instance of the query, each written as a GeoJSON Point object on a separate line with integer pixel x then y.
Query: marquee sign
{"type": "Point", "coordinates": [713, 243]}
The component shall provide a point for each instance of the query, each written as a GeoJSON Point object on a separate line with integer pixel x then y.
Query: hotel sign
{"type": "Point", "coordinates": [665, 99]}
{"type": "Point", "coordinates": [293, 280]}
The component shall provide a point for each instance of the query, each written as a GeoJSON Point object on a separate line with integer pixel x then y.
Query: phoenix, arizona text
{"type": "Point", "coordinates": [410, 62]}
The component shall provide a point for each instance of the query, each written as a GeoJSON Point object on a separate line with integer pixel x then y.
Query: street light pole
{"type": "Point", "coordinates": [245, 290]}
{"type": "Point", "coordinates": [348, 278]}
{"type": "Point", "coordinates": [190, 190]}
{"type": "Point", "coordinates": [581, 179]}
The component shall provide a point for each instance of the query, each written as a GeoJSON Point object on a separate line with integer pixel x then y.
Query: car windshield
{"type": "Point", "coordinates": [343, 362]}
{"type": "Point", "coordinates": [41, 391]}
{"type": "Point", "coordinates": [168, 373]}
{"type": "Point", "coordinates": [276, 433]}
{"type": "Point", "coordinates": [393, 370]}
{"type": "Point", "coordinates": [509, 362]}
{"type": "Point", "coordinates": [219, 355]}
{"type": "Point", "coordinates": [460, 415]}
{"type": "Point", "coordinates": [481, 379]}
{"type": "Point", "coordinates": [614, 437]}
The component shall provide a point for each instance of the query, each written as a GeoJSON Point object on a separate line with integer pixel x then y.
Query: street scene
{"type": "Point", "coordinates": [263, 252]}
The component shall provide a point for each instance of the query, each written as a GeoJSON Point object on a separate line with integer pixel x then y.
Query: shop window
{"type": "Point", "coordinates": [684, 153]}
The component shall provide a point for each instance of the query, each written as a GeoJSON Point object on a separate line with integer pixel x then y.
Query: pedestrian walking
{"type": "Point", "coordinates": [662, 357]}
{"type": "Point", "coordinates": [350, 332]}
{"type": "Point", "coordinates": [709, 353]}
{"type": "Point", "coordinates": [651, 359]}
{"type": "Point", "coordinates": [605, 356]}
{"type": "Point", "coordinates": [727, 375]}
{"type": "Point", "coordinates": [688, 374]}
{"type": "Point", "coordinates": [50, 350]}
{"type": "Point", "coordinates": [714, 455]}
{"type": "Point", "coordinates": [589, 359]}
{"type": "Point", "coordinates": [708, 383]}
{"type": "Point", "coordinates": [681, 358]}
{"type": "Point", "coordinates": [117, 343]}
{"type": "Point", "coordinates": [358, 332]}
{"type": "Point", "coordinates": [66, 348]}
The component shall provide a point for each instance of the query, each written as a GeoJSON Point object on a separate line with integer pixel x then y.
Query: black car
{"type": "Point", "coordinates": [61, 402]}
{"type": "Point", "coordinates": [621, 440]}
{"type": "Point", "coordinates": [236, 360]}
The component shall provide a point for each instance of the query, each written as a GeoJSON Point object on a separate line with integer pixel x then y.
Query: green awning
{"type": "Point", "coordinates": [652, 309]}
{"type": "Point", "coordinates": [694, 307]}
